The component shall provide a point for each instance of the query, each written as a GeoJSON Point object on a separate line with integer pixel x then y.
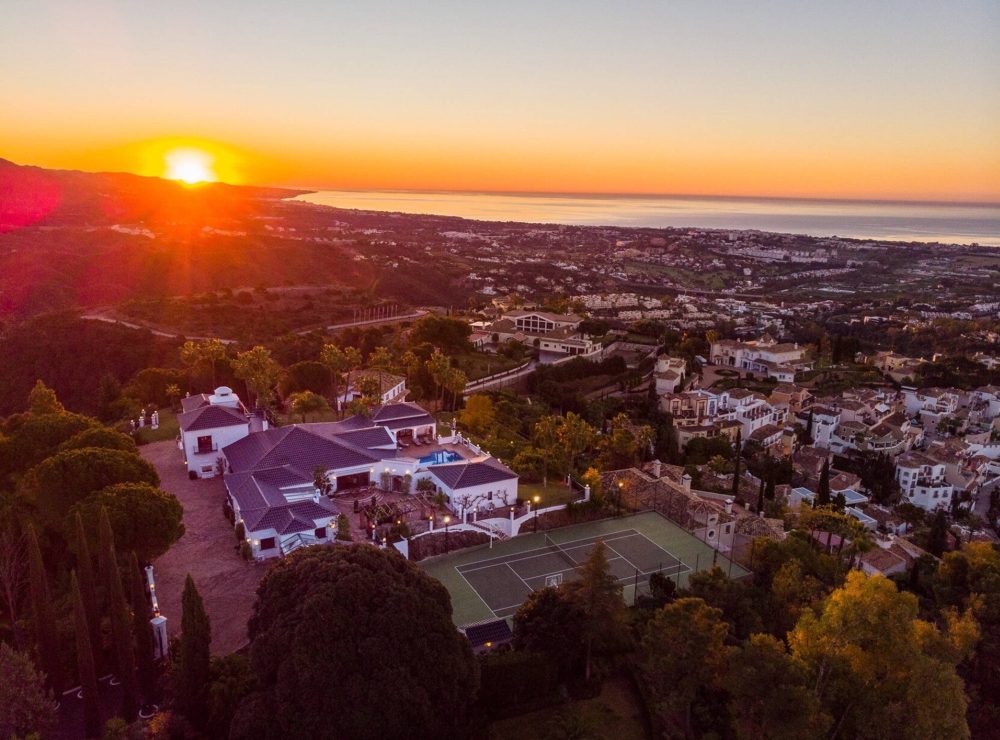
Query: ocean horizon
{"type": "Point", "coordinates": [904, 221]}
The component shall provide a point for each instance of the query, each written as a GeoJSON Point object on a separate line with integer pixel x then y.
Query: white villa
{"type": "Point", "coordinates": [207, 424]}
{"type": "Point", "coordinates": [669, 373]}
{"type": "Point", "coordinates": [270, 475]}
{"type": "Point", "coordinates": [557, 336]}
{"type": "Point", "coordinates": [765, 356]}
{"type": "Point", "coordinates": [923, 481]}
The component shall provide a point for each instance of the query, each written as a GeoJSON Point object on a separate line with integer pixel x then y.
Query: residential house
{"type": "Point", "coordinates": [207, 424]}
{"type": "Point", "coordinates": [922, 481]}
{"type": "Point", "coordinates": [272, 474]}
{"type": "Point", "coordinates": [765, 356]}
{"type": "Point", "coordinates": [669, 374]}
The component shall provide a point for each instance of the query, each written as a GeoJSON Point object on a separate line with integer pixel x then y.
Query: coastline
{"type": "Point", "coordinates": [958, 224]}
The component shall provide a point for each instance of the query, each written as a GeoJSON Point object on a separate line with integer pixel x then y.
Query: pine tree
{"type": "Point", "coordinates": [823, 494]}
{"type": "Point", "coordinates": [120, 631]}
{"type": "Point", "coordinates": [599, 596]}
{"type": "Point", "coordinates": [88, 590]}
{"type": "Point", "coordinates": [736, 464]}
{"type": "Point", "coordinates": [86, 670]}
{"type": "Point", "coordinates": [42, 617]}
{"type": "Point", "coordinates": [142, 630]}
{"type": "Point", "coordinates": [193, 656]}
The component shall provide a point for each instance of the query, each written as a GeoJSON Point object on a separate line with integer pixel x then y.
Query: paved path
{"type": "Point", "coordinates": [226, 583]}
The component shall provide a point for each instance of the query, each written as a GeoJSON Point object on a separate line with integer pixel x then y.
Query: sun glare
{"type": "Point", "coordinates": [189, 166]}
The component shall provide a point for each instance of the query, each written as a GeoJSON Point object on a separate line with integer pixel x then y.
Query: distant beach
{"type": "Point", "coordinates": [947, 223]}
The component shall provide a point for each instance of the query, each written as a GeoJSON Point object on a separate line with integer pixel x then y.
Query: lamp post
{"type": "Point", "coordinates": [535, 501]}
{"type": "Point", "coordinates": [618, 498]}
{"type": "Point", "coordinates": [447, 521]}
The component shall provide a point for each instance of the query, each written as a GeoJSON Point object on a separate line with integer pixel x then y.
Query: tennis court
{"type": "Point", "coordinates": [505, 582]}
{"type": "Point", "coordinates": [487, 583]}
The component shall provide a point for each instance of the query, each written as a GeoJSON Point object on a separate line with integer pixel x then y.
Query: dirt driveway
{"type": "Point", "coordinates": [207, 551]}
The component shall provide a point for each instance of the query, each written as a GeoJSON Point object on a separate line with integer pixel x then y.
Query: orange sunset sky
{"type": "Point", "coordinates": [889, 99]}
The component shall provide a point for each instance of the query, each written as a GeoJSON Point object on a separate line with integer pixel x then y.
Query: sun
{"type": "Point", "coordinates": [189, 166]}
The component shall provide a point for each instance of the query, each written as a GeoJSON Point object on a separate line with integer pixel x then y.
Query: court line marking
{"type": "Point", "coordinates": [634, 566]}
{"type": "Point", "coordinates": [538, 551]}
{"type": "Point", "coordinates": [564, 570]}
{"type": "Point", "coordinates": [476, 592]}
{"type": "Point", "coordinates": [518, 575]}
{"type": "Point", "coordinates": [623, 580]}
{"type": "Point", "coordinates": [679, 561]}
{"type": "Point", "coordinates": [529, 554]}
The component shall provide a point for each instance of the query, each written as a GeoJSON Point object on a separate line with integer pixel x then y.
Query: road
{"type": "Point", "coordinates": [157, 332]}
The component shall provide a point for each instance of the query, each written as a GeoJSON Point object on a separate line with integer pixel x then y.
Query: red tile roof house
{"type": "Point", "coordinates": [270, 474]}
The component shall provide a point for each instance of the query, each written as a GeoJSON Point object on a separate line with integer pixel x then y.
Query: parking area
{"type": "Point", "coordinates": [207, 551]}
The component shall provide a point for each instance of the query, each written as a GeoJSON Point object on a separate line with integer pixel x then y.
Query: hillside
{"type": "Point", "coordinates": [76, 240]}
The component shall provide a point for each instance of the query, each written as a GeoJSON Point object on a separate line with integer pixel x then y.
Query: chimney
{"type": "Point", "coordinates": [686, 482]}
{"type": "Point", "coordinates": [729, 506]}
{"type": "Point", "coordinates": [656, 468]}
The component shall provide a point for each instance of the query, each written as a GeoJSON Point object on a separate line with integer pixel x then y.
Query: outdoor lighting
{"type": "Point", "coordinates": [489, 644]}
{"type": "Point", "coordinates": [537, 499]}
{"type": "Point", "coordinates": [447, 519]}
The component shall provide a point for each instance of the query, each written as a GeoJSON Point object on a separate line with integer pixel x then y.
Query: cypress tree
{"type": "Point", "coordinates": [809, 428]}
{"type": "Point", "coordinates": [86, 670]}
{"type": "Point", "coordinates": [937, 538]}
{"type": "Point", "coordinates": [120, 629]}
{"type": "Point", "coordinates": [42, 617]}
{"type": "Point", "coordinates": [193, 656]}
{"type": "Point", "coordinates": [142, 630]}
{"type": "Point", "coordinates": [823, 494]}
{"type": "Point", "coordinates": [736, 464]}
{"type": "Point", "coordinates": [760, 497]}
{"type": "Point", "coordinates": [88, 590]}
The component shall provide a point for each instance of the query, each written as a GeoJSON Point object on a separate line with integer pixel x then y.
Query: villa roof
{"type": "Point", "coordinates": [211, 417]}
{"type": "Point", "coordinates": [190, 403]}
{"type": "Point", "coordinates": [298, 516]}
{"type": "Point", "coordinates": [298, 447]}
{"type": "Point", "coordinates": [396, 411]}
{"type": "Point", "coordinates": [557, 317]}
{"type": "Point", "coordinates": [469, 474]}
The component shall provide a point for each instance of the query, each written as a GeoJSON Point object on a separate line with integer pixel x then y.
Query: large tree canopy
{"type": "Point", "coordinates": [30, 438]}
{"type": "Point", "coordinates": [355, 642]}
{"type": "Point", "coordinates": [59, 482]}
{"type": "Point", "coordinates": [143, 517]}
{"type": "Point", "coordinates": [873, 662]}
{"type": "Point", "coordinates": [449, 335]}
{"type": "Point", "coordinates": [103, 437]}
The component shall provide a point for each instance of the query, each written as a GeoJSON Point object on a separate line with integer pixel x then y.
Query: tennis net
{"type": "Point", "coordinates": [559, 551]}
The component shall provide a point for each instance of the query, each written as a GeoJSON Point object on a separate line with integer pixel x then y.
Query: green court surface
{"type": "Point", "coordinates": [487, 583]}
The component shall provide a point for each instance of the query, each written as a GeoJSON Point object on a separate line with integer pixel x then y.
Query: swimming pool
{"type": "Point", "coordinates": [439, 457]}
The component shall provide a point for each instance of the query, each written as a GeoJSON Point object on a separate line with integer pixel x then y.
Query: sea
{"type": "Point", "coordinates": [905, 221]}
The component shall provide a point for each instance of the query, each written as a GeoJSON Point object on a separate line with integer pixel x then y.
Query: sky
{"type": "Point", "coordinates": [894, 99]}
